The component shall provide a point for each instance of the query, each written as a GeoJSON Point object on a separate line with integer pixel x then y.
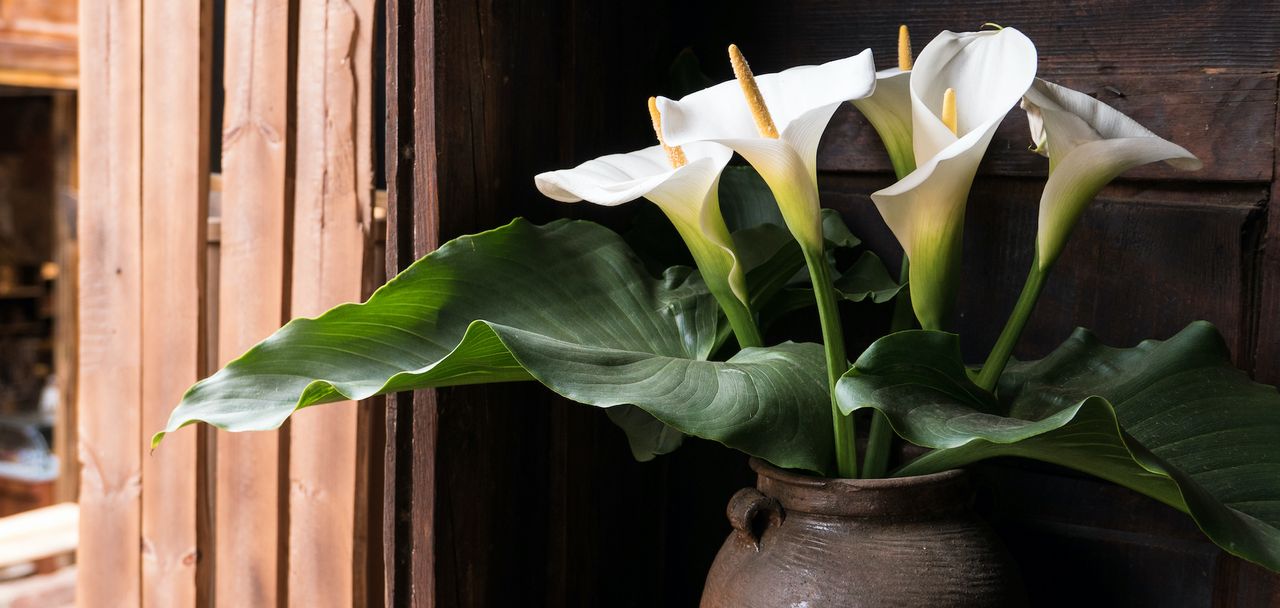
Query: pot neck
{"type": "Point", "coordinates": [920, 496]}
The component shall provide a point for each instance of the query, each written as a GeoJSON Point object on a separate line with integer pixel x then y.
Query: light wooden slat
{"type": "Point", "coordinates": [39, 533]}
{"type": "Point", "coordinates": [110, 292]}
{"type": "Point", "coordinates": [252, 295]}
{"type": "Point", "coordinates": [176, 39]}
{"type": "Point", "coordinates": [333, 213]}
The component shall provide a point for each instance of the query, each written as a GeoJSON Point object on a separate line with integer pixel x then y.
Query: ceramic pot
{"type": "Point", "coordinates": [815, 542]}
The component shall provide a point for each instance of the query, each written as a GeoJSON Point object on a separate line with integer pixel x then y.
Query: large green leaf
{"type": "Point", "coordinates": [1173, 420]}
{"type": "Point", "coordinates": [566, 304]}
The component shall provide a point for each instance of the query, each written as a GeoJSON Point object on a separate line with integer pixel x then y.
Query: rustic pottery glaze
{"type": "Point", "coordinates": [818, 543]}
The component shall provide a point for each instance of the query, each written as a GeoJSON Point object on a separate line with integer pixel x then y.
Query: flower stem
{"type": "Point", "coordinates": [1003, 348]}
{"type": "Point", "coordinates": [880, 438]}
{"type": "Point", "coordinates": [837, 362]}
{"type": "Point", "coordinates": [743, 323]}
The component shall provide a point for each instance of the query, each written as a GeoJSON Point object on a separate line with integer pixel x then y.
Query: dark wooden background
{"type": "Point", "coordinates": [507, 496]}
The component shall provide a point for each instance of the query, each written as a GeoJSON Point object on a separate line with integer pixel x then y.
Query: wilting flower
{"type": "Point", "coordinates": [888, 109]}
{"type": "Point", "coordinates": [775, 121]}
{"type": "Point", "coordinates": [1088, 143]}
{"type": "Point", "coordinates": [983, 74]}
{"type": "Point", "coordinates": [684, 182]}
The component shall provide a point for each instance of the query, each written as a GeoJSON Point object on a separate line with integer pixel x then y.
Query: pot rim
{"type": "Point", "coordinates": [916, 496]}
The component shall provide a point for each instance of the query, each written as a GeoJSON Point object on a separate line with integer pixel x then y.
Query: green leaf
{"type": "Point", "coordinates": [868, 279]}
{"type": "Point", "coordinates": [745, 200]}
{"type": "Point", "coordinates": [566, 304]}
{"type": "Point", "coordinates": [647, 436]}
{"type": "Point", "coordinates": [772, 260]}
{"type": "Point", "coordinates": [836, 232]}
{"type": "Point", "coordinates": [1173, 420]}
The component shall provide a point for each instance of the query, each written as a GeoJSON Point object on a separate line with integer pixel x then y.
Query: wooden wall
{"type": "Point", "coordinates": [503, 495]}
{"type": "Point", "coordinates": [38, 43]}
{"type": "Point", "coordinates": [172, 285]}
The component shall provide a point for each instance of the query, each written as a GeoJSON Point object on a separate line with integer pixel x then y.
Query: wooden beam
{"type": "Point", "coordinates": [177, 39]}
{"type": "Point", "coordinates": [1266, 321]}
{"type": "Point", "coordinates": [249, 565]}
{"type": "Point", "coordinates": [66, 255]}
{"type": "Point", "coordinates": [408, 508]}
{"type": "Point", "coordinates": [39, 533]}
{"type": "Point", "coordinates": [110, 399]}
{"type": "Point", "coordinates": [333, 215]}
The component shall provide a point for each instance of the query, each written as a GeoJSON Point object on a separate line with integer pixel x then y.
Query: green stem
{"type": "Point", "coordinates": [837, 362]}
{"type": "Point", "coordinates": [903, 316]}
{"type": "Point", "coordinates": [880, 439]}
{"type": "Point", "coordinates": [743, 323]}
{"type": "Point", "coordinates": [1003, 349]}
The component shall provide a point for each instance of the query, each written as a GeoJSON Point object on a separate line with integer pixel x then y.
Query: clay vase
{"type": "Point", "coordinates": [819, 543]}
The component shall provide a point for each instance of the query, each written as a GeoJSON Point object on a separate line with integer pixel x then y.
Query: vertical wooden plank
{"type": "Point", "coordinates": [399, 534]}
{"type": "Point", "coordinates": [331, 242]}
{"type": "Point", "coordinates": [1266, 333]}
{"type": "Point", "coordinates": [110, 303]}
{"type": "Point", "coordinates": [409, 477]}
{"type": "Point", "coordinates": [65, 297]}
{"type": "Point", "coordinates": [176, 39]}
{"type": "Point", "coordinates": [253, 298]}
{"type": "Point", "coordinates": [472, 117]}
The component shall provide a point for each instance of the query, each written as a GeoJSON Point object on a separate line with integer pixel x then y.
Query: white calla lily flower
{"type": "Point", "coordinates": [798, 103]}
{"type": "Point", "coordinates": [1088, 143]}
{"type": "Point", "coordinates": [687, 194]}
{"type": "Point", "coordinates": [988, 71]}
{"type": "Point", "coordinates": [888, 110]}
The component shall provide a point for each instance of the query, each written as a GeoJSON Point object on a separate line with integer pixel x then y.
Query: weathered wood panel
{"type": "Point", "coordinates": [1155, 252]}
{"type": "Point", "coordinates": [110, 399]}
{"type": "Point", "coordinates": [1266, 341]}
{"type": "Point", "coordinates": [1143, 262]}
{"type": "Point", "coordinates": [256, 197]}
{"type": "Point", "coordinates": [1088, 37]}
{"type": "Point", "coordinates": [453, 148]}
{"type": "Point", "coordinates": [398, 533]}
{"type": "Point", "coordinates": [463, 152]}
{"type": "Point", "coordinates": [1225, 119]}
{"type": "Point", "coordinates": [66, 339]}
{"type": "Point", "coordinates": [332, 245]}
{"type": "Point", "coordinates": [38, 43]}
{"type": "Point", "coordinates": [175, 188]}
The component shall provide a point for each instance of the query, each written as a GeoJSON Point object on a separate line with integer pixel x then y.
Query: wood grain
{"type": "Point", "coordinates": [1265, 331]}
{"type": "Point", "coordinates": [333, 217]}
{"type": "Point", "coordinates": [400, 535]}
{"type": "Point", "coordinates": [39, 533]}
{"type": "Point", "coordinates": [1143, 262]}
{"type": "Point", "coordinates": [66, 340]}
{"type": "Point", "coordinates": [1088, 37]}
{"type": "Point", "coordinates": [253, 297]}
{"type": "Point", "coordinates": [1224, 119]}
{"type": "Point", "coordinates": [462, 153]}
{"type": "Point", "coordinates": [110, 395]}
{"type": "Point", "coordinates": [38, 43]}
{"type": "Point", "coordinates": [177, 39]}
{"type": "Point", "coordinates": [482, 96]}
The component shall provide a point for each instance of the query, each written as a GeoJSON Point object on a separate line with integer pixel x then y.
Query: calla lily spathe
{"type": "Point", "coordinates": [989, 72]}
{"type": "Point", "coordinates": [800, 101]}
{"type": "Point", "coordinates": [888, 110]}
{"type": "Point", "coordinates": [688, 195]}
{"type": "Point", "coordinates": [1088, 143]}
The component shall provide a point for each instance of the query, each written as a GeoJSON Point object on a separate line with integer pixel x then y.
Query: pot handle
{"type": "Point", "coordinates": [752, 513]}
